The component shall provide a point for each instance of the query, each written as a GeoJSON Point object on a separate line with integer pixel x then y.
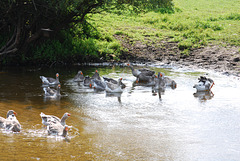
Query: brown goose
{"type": "Point", "coordinates": [50, 81]}
{"type": "Point", "coordinates": [10, 123]}
{"type": "Point", "coordinates": [47, 119]}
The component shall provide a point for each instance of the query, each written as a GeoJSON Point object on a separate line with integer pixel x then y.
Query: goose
{"type": "Point", "coordinates": [114, 88]}
{"type": "Point", "coordinates": [79, 77]}
{"type": "Point", "coordinates": [114, 81]}
{"type": "Point", "coordinates": [10, 114]}
{"type": "Point", "coordinates": [204, 84]}
{"type": "Point", "coordinates": [47, 119]}
{"type": "Point", "coordinates": [96, 75]}
{"type": "Point", "coordinates": [137, 72]}
{"type": "Point", "coordinates": [52, 93]}
{"type": "Point", "coordinates": [171, 83]}
{"type": "Point", "coordinates": [87, 81]}
{"type": "Point", "coordinates": [168, 81]}
{"type": "Point", "coordinates": [10, 123]}
{"type": "Point", "coordinates": [57, 129]}
{"type": "Point", "coordinates": [99, 85]}
{"type": "Point", "coordinates": [146, 78]}
{"type": "Point", "coordinates": [50, 81]}
{"type": "Point", "coordinates": [159, 82]}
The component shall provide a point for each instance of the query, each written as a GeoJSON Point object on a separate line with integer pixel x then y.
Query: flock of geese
{"type": "Point", "coordinates": [143, 76]}
{"type": "Point", "coordinates": [57, 126]}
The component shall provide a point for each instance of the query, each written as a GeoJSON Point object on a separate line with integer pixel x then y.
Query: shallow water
{"type": "Point", "coordinates": [135, 125]}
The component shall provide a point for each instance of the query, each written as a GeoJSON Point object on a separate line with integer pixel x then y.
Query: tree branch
{"type": "Point", "coordinates": [9, 51]}
{"type": "Point", "coordinates": [11, 47]}
{"type": "Point", "coordinates": [11, 39]}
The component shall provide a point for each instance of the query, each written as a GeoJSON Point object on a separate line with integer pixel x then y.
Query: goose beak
{"type": "Point", "coordinates": [14, 113]}
{"type": "Point", "coordinates": [81, 73]}
{"type": "Point", "coordinates": [120, 78]}
{"type": "Point", "coordinates": [96, 71]}
{"type": "Point", "coordinates": [69, 114]}
{"type": "Point", "coordinates": [57, 75]}
{"type": "Point", "coordinates": [160, 75]}
{"type": "Point", "coordinates": [90, 85]}
{"type": "Point", "coordinates": [128, 64]}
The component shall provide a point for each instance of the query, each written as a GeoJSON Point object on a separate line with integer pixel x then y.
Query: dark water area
{"type": "Point", "coordinates": [139, 124]}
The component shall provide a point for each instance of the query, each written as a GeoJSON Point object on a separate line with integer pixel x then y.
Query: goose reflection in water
{"type": "Point", "coordinates": [118, 95]}
{"type": "Point", "coordinates": [204, 95]}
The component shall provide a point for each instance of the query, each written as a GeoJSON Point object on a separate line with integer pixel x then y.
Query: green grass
{"type": "Point", "coordinates": [195, 23]}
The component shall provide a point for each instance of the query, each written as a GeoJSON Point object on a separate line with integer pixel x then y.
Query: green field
{"type": "Point", "coordinates": [195, 23]}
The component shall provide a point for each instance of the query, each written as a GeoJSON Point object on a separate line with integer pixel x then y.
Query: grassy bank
{"type": "Point", "coordinates": [195, 23]}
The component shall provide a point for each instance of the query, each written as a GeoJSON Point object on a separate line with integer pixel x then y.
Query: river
{"type": "Point", "coordinates": [139, 124]}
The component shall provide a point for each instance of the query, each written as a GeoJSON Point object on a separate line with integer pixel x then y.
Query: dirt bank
{"type": "Point", "coordinates": [213, 57]}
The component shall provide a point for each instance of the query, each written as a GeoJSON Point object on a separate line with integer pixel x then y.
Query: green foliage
{"type": "Point", "coordinates": [185, 44]}
{"type": "Point", "coordinates": [82, 43]}
{"type": "Point", "coordinates": [139, 6]}
{"type": "Point", "coordinates": [191, 24]}
{"type": "Point", "coordinates": [25, 21]}
{"type": "Point", "coordinates": [233, 16]}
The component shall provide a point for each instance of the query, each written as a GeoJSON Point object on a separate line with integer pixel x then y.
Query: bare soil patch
{"type": "Point", "coordinates": [213, 57]}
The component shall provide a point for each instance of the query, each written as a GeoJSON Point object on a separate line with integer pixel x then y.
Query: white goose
{"type": "Point", "coordinates": [47, 119]}
{"type": "Point", "coordinates": [57, 129]}
{"type": "Point", "coordinates": [10, 123]}
{"type": "Point", "coordinates": [49, 80]}
{"type": "Point", "coordinates": [204, 84]}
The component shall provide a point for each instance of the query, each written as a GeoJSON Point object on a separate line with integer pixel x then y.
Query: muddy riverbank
{"type": "Point", "coordinates": [213, 57]}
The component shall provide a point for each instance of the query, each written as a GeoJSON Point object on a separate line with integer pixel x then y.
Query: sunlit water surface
{"type": "Point", "coordinates": [136, 125]}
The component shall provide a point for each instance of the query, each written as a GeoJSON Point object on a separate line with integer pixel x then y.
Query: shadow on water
{"type": "Point", "coordinates": [205, 95]}
{"type": "Point", "coordinates": [140, 123]}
